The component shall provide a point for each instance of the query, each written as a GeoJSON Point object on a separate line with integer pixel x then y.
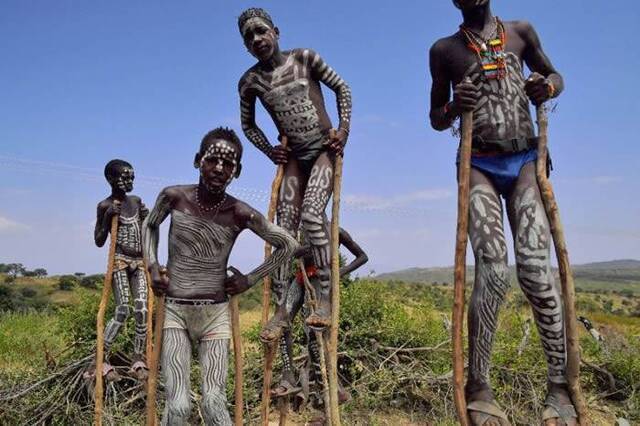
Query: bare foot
{"type": "Point", "coordinates": [140, 370]}
{"type": "Point", "coordinates": [559, 409]}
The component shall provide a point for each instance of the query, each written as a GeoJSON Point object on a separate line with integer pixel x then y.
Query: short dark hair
{"type": "Point", "coordinates": [221, 133]}
{"type": "Point", "coordinates": [254, 12]}
{"type": "Point", "coordinates": [110, 170]}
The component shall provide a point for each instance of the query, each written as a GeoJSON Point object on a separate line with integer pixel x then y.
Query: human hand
{"type": "Point", "coordinates": [465, 97]}
{"type": "Point", "coordinates": [113, 210]}
{"type": "Point", "coordinates": [336, 141]}
{"type": "Point", "coordinates": [236, 283]}
{"type": "Point", "coordinates": [144, 211]}
{"type": "Point", "coordinates": [280, 154]}
{"type": "Point", "coordinates": [538, 88]}
{"type": "Point", "coordinates": [159, 279]}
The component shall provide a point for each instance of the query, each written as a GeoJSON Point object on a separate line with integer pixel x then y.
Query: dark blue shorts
{"type": "Point", "coordinates": [503, 170]}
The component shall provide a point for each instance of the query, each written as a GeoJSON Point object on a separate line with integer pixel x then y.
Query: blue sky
{"type": "Point", "coordinates": [84, 82]}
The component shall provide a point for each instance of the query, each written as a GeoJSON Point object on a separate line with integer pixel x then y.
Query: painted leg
{"type": "Point", "coordinates": [489, 290]}
{"type": "Point", "coordinates": [214, 359]}
{"type": "Point", "coordinates": [120, 285]}
{"type": "Point", "coordinates": [288, 212]}
{"type": "Point", "coordinates": [288, 383]}
{"type": "Point", "coordinates": [533, 249]}
{"type": "Point", "coordinates": [176, 365]}
{"type": "Point", "coordinates": [139, 290]}
{"type": "Point", "coordinates": [317, 234]}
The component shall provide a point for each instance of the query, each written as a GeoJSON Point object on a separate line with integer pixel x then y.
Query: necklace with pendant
{"type": "Point", "coordinates": [490, 51]}
{"type": "Point", "coordinates": [215, 207]}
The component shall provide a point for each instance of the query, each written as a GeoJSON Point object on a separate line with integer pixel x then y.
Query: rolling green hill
{"type": "Point", "coordinates": [612, 276]}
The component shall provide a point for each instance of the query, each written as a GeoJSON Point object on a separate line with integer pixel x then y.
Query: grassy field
{"type": "Point", "coordinates": [378, 321]}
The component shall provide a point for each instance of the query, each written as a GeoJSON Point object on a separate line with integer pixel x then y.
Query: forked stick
{"type": "Point", "coordinates": [464, 172]}
{"type": "Point", "coordinates": [269, 348]}
{"type": "Point", "coordinates": [566, 276]}
{"type": "Point", "coordinates": [335, 289]}
{"type": "Point", "coordinates": [239, 361]}
{"type": "Point", "coordinates": [104, 300]}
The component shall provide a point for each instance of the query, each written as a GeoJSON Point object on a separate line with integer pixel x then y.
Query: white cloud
{"type": "Point", "coordinates": [8, 226]}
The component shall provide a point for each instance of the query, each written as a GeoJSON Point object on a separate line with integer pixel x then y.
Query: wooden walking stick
{"type": "Point", "coordinates": [239, 361]}
{"type": "Point", "coordinates": [335, 289]}
{"type": "Point", "coordinates": [459, 272]}
{"type": "Point", "coordinates": [566, 276]}
{"type": "Point", "coordinates": [269, 349]}
{"type": "Point", "coordinates": [150, 304]}
{"type": "Point", "coordinates": [152, 383]}
{"type": "Point", "coordinates": [104, 300]}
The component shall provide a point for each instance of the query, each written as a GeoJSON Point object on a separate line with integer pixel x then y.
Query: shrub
{"type": "Point", "coordinates": [67, 282]}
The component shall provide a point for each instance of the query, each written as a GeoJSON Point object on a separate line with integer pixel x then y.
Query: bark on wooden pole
{"type": "Point", "coordinates": [238, 358]}
{"type": "Point", "coordinates": [566, 275]}
{"type": "Point", "coordinates": [459, 278]}
{"type": "Point", "coordinates": [269, 348]}
{"type": "Point", "coordinates": [152, 383]}
{"type": "Point", "coordinates": [335, 291]}
{"type": "Point", "coordinates": [104, 300]}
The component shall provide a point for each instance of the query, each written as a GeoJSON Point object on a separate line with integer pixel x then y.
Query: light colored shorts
{"type": "Point", "coordinates": [202, 322]}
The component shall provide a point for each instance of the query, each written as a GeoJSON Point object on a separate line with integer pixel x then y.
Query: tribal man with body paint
{"type": "Point", "coordinates": [483, 63]}
{"type": "Point", "coordinates": [288, 86]}
{"type": "Point", "coordinates": [129, 277]}
{"type": "Point", "coordinates": [205, 222]}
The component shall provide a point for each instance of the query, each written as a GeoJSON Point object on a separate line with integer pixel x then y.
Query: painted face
{"type": "Point", "coordinates": [469, 4]}
{"type": "Point", "coordinates": [260, 38]}
{"type": "Point", "coordinates": [124, 181]}
{"type": "Point", "coordinates": [218, 165]}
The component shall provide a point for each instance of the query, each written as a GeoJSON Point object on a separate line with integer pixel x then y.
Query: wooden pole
{"type": "Point", "coordinates": [566, 275]}
{"type": "Point", "coordinates": [459, 279]}
{"type": "Point", "coordinates": [321, 346]}
{"type": "Point", "coordinates": [104, 300]}
{"type": "Point", "coordinates": [335, 290]}
{"type": "Point", "coordinates": [269, 348]}
{"type": "Point", "coordinates": [152, 383]}
{"type": "Point", "coordinates": [237, 352]}
{"type": "Point", "coordinates": [150, 304]}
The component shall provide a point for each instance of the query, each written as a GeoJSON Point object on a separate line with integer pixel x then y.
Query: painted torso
{"type": "Point", "coordinates": [294, 100]}
{"type": "Point", "coordinates": [503, 109]}
{"type": "Point", "coordinates": [129, 236]}
{"type": "Point", "coordinates": [198, 255]}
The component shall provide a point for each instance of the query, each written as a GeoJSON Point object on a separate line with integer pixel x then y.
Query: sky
{"type": "Point", "coordinates": [84, 82]}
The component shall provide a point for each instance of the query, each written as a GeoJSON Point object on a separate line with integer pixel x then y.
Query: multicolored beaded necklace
{"type": "Point", "coordinates": [491, 51]}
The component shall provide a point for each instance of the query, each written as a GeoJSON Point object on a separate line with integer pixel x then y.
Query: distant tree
{"type": "Point", "coordinates": [67, 282]}
{"type": "Point", "coordinates": [3, 268]}
{"type": "Point", "coordinates": [92, 281]}
{"type": "Point", "coordinates": [6, 299]}
{"type": "Point", "coordinates": [40, 272]}
{"type": "Point", "coordinates": [15, 269]}
{"type": "Point", "coordinates": [79, 275]}
{"type": "Point", "coordinates": [28, 273]}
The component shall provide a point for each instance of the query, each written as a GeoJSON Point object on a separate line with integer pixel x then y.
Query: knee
{"type": "Point", "coordinates": [140, 312]}
{"type": "Point", "coordinates": [122, 313]}
{"type": "Point", "coordinates": [314, 228]}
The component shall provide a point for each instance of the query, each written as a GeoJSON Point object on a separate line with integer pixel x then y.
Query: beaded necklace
{"type": "Point", "coordinates": [490, 51]}
{"type": "Point", "coordinates": [215, 207]}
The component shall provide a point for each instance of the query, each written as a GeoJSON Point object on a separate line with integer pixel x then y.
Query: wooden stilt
{"type": "Point", "coordinates": [239, 360]}
{"type": "Point", "coordinates": [566, 275]}
{"type": "Point", "coordinates": [152, 383]}
{"type": "Point", "coordinates": [104, 300]}
{"type": "Point", "coordinates": [459, 279]}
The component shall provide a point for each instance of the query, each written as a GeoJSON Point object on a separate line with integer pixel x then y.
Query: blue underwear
{"type": "Point", "coordinates": [503, 170]}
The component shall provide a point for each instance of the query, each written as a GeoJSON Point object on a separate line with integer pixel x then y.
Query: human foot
{"type": "Point", "coordinates": [559, 411]}
{"type": "Point", "coordinates": [485, 411]}
{"type": "Point", "coordinates": [273, 330]}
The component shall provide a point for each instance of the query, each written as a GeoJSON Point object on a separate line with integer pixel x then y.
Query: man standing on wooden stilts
{"type": "Point", "coordinates": [490, 53]}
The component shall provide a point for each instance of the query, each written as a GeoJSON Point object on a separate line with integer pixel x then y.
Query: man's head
{"type": "Point", "coordinates": [119, 174]}
{"type": "Point", "coordinates": [219, 159]}
{"type": "Point", "coordinates": [259, 34]}
{"type": "Point", "coordinates": [469, 4]}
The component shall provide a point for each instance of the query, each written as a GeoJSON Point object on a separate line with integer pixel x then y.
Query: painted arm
{"type": "Point", "coordinates": [321, 71]}
{"type": "Point", "coordinates": [151, 228]}
{"type": "Point", "coordinates": [105, 212]}
{"type": "Point", "coordinates": [248, 118]}
{"type": "Point", "coordinates": [360, 256]}
{"type": "Point", "coordinates": [548, 83]}
{"type": "Point", "coordinates": [283, 243]}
